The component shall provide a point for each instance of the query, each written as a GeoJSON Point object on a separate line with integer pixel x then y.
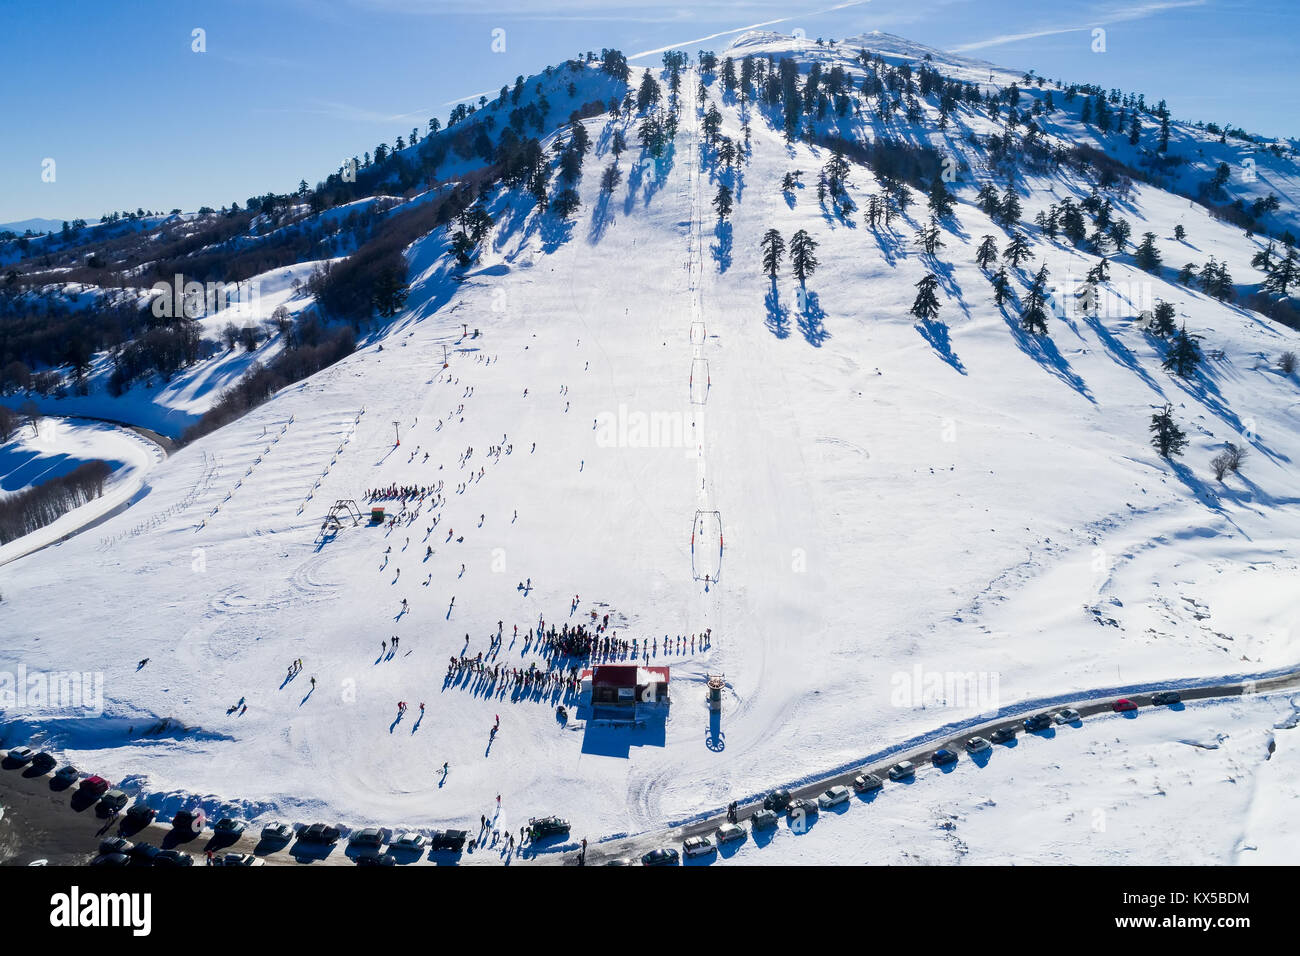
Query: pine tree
{"type": "Point", "coordinates": [722, 202]}
{"type": "Point", "coordinates": [987, 253]}
{"type": "Point", "coordinates": [1017, 250]}
{"type": "Point", "coordinates": [926, 306]}
{"type": "Point", "coordinates": [1147, 256]}
{"type": "Point", "coordinates": [1001, 286]}
{"type": "Point", "coordinates": [929, 238]}
{"type": "Point", "coordinates": [1119, 233]}
{"type": "Point", "coordinates": [773, 248]}
{"type": "Point", "coordinates": [1162, 320]}
{"type": "Point", "coordinates": [987, 200]}
{"type": "Point", "coordinates": [941, 200]}
{"type": "Point", "coordinates": [610, 178]}
{"type": "Point", "coordinates": [566, 203]}
{"type": "Point", "coordinates": [802, 258]}
{"type": "Point", "coordinates": [1263, 259]}
{"type": "Point", "coordinates": [1034, 317]}
{"type": "Point", "coordinates": [1184, 354]}
{"type": "Point", "coordinates": [1283, 276]}
{"type": "Point", "coordinates": [1166, 437]}
{"type": "Point", "coordinates": [1009, 213]}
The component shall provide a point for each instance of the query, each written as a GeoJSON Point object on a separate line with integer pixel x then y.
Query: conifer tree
{"type": "Point", "coordinates": [773, 248]}
{"type": "Point", "coordinates": [802, 258]}
{"type": "Point", "coordinates": [926, 305]}
{"type": "Point", "coordinates": [1166, 437]}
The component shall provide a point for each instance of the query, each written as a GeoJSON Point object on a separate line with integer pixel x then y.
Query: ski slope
{"type": "Point", "coordinates": [884, 499]}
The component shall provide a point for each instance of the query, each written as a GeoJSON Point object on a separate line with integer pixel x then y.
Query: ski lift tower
{"type": "Point", "coordinates": [397, 434]}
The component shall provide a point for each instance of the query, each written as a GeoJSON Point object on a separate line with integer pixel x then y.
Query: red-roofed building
{"type": "Point", "coordinates": [625, 685]}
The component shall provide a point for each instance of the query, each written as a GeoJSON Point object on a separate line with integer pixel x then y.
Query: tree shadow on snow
{"type": "Point", "coordinates": [722, 248]}
{"type": "Point", "coordinates": [936, 333]}
{"type": "Point", "coordinates": [1043, 350]}
{"type": "Point", "coordinates": [811, 321]}
{"type": "Point", "coordinates": [778, 316]}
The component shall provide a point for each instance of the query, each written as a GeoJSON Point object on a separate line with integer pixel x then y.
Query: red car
{"type": "Point", "coordinates": [94, 784]}
{"type": "Point", "coordinates": [1124, 704]}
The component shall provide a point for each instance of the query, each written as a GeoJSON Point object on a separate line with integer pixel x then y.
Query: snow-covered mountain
{"type": "Point", "coordinates": [620, 413]}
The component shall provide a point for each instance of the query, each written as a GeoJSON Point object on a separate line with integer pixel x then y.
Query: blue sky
{"type": "Point", "coordinates": [288, 88]}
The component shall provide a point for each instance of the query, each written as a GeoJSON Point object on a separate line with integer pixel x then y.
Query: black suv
{"type": "Point", "coordinates": [319, 833]}
{"type": "Point", "coordinates": [1038, 722]}
{"type": "Point", "coordinates": [1166, 697]}
{"type": "Point", "coordinates": [1002, 735]}
{"type": "Point", "coordinates": [777, 800]}
{"type": "Point", "coordinates": [448, 840]}
{"type": "Point", "coordinates": [542, 827]}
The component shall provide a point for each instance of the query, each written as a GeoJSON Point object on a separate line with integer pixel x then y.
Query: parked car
{"type": "Point", "coordinates": [977, 745]}
{"type": "Point", "coordinates": [115, 845]}
{"type": "Point", "coordinates": [227, 826]}
{"type": "Point", "coordinates": [777, 800]}
{"type": "Point", "coordinates": [173, 858]}
{"type": "Point", "coordinates": [93, 785]}
{"type": "Point", "coordinates": [763, 819]}
{"type": "Point", "coordinates": [139, 815]}
{"type": "Point", "coordinates": [901, 771]}
{"type": "Point", "coordinates": [943, 756]}
{"type": "Point", "coordinates": [44, 762]}
{"type": "Point", "coordinates": [110, 803]}
{"type": "Point", "coordinates": [541, 827]}
{"type": "Point", "coordinates": [190, 820]}
{"type": "Point", "coordinates": [804, 808]}
{"type": "Point", "coordinates": [621, 861]}
{"type": "Point", "coordinates": [22, 755]}
{"type": "Point", "coordinates": [1003, 735]}
{"type": "Point", "coordinates": [453, 840]}
{"type": "Point", "coordinates": [143, 854]}
{"type": "Point", "coordinates": [111, 859]}
{"type": "Point", "coordinates": [319, 833]}
{"type": "Point", "coordinates": [242, 859]}
{"type": "Point", "coordinates": [664, 856]}
{"type": "Point", "coordinates": [1037, 722]}
{"type": "Point", "coordinates": [867, 782]}
{"type": "Point", "coordinates": [1123, 704]}
{"type": "Point", "coordinates": [1067, 716]}
{"type": "Point", "coordinates": [375, 859]}
{"type": "Point", "coordinates": [698, 846]}
{"type": "Point", "coordinates": [833, 797]}
{"type": "Point", "coordinates": [67, 775]}
{"type": "Point", "coordinates": [276, 832]}
{"type": "Point", "coordinates": [370, 836]}
{"type": "Point", "coordinates": [730, 833]}
{"type": "Point", "coordinates": [410, 842]}
{"type": "Point", "coordinates": [1166, 697]}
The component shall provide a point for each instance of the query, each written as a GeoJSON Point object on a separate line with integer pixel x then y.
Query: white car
{"type": "Point", "coordinates": [1067, 716]}
{"type": "Point", "coordinates": [22, 754]}
{"type": "Point", "coordinates": [697, 846]}
{"type": "Point", "coordinates": [730, 832]}
{"type": "Point", "coordinates": [833, 797]}
{"type": "Point", "coordinates": [409, 841]}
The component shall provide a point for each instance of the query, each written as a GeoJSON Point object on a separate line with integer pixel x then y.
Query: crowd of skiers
{"type": "Point", "coordinates": [402, 492]}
